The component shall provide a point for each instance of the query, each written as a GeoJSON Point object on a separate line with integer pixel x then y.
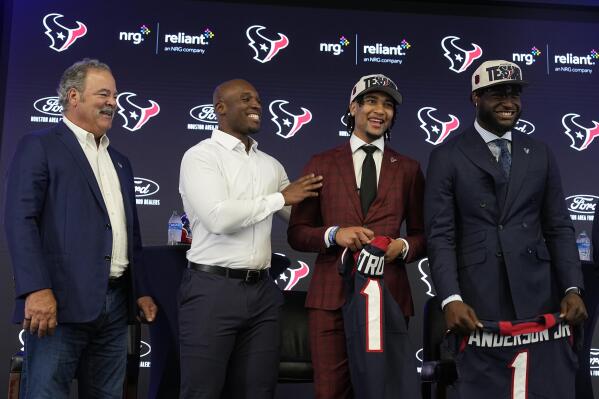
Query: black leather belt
{"type": "Point", "coordinates": [248, 275]}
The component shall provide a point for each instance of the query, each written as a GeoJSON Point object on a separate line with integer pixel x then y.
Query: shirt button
{"type": "Point", "coordinates": [108, 227]}
{"type": "Point", "coordinates": [483, 204]}
{"type": "Point", "coordinates": [499, 254]}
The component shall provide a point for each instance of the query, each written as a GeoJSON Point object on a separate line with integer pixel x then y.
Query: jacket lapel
{"type": "Point", "coordinates": [389, 168]}
{"type": "Point", "coordinates": [474, 147]}
{"type": "Point", "coordinates": [345, 166]}
{"type": "Point", "coordinates": [70, 141]}
{"type": "Point", "coordinates": [521, 153]}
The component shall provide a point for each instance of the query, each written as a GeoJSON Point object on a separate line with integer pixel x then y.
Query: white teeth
{"type": "Point", "coordinates": [254, 116]}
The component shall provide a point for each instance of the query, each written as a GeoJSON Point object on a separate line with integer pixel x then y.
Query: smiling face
{"type": "Point", "coordinates": [94, 107]}
{"type": "Point", "coordinates": [373, 115]}
{"type": "Point", "coordinates": [498, 108]}
{"type": "Point", "coordinates": [238, 107]}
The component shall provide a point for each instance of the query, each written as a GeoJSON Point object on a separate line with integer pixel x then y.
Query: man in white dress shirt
{"type": "Point", "coordinates": [229, 306]}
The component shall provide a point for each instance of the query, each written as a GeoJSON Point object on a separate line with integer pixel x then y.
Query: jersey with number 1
{"type": "Point", "coordinates": [526, 359]}
{"type": "Point", "coordinates": [381, 359]}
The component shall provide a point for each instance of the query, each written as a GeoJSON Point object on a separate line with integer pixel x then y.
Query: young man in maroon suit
{"type": "Point", "coordinates": [369, 190]}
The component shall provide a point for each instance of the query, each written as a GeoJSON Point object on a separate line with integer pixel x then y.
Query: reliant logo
{"type": "Point", "coordinates": [384, 54]}
{"type": "Point", "coordinates": [580, 136]}
{"type": "Point", "coordinates": [524, 126]}
{"type": "Point", "coordinates": [335, 48]}
{"type": "Point", "coordinates": [61, 37]}
{"type": "Point", "coordinates": [436, 130]}
{"type": "Point", "coordinates": [145, 188]}
{"type": "Point", "coordinates": [582, 206]}
{"type": "Point", "coordinates": [575, 63]}
{"type": "Point", "coordinates": [291, 123]}
{"type": "Point", "coordinates": [528, 58]}
{"type": "Point", "coordinates": [51, 109]}
{"type": "Point", "coordinates": [135, 37]}
{"type": "Point", "coordinates": [265, 49]}
{"type": "Point", "coordinates": [134, 115]}
{"type": "Point", "coordinates": [205, 114]}
{"type": "Point", "coordinates": [459, 58]}
{"type": "Point", "coordinates": [181, 42]}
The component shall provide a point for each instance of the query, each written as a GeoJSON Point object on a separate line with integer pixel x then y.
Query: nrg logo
{"type": "Point", "coordinates": [135, 37]}
{"type": "Point", "coordinates": [335, 48]}
{"type": "Point", "coordinates": [527, 58]}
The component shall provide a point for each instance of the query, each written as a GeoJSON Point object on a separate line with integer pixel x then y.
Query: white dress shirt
{"type": "Point", "coordinates": [358, 156]}
{"type": "Point", "coordinates": [229, 196]}
{"type": "Point", "coordinates": [110, 187]}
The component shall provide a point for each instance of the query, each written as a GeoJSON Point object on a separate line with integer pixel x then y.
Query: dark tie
{"type": "Point", "coordinates": [368, 182]}
{"type": "Point", "coordinates": [505, 158]}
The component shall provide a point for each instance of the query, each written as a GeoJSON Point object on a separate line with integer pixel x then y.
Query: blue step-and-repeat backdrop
{"type": "Point", "coordinates": [167, 57]}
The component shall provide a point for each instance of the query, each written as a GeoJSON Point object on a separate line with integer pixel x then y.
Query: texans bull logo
{"type": "Point", "coordinates": [423, 268]}
{"type": "Point", "coordinates": [459, 58]}
{"type": "Point", "coordinates": [291, 123]}
{"type": "Point", "coordinates": [134, 115]}
{"type": "Point", "coordinates": [436, 130]}
{"type": "Point", "coordinates": [581, 136]}
{"type": "Point", "coordinates": [524, 126]}
{"type": "Point", "coordinates": [264, 47]}
{"type": "Point", "coordinates": [60, 36]}
{"type": "Point", "coordinates": [290, 277]}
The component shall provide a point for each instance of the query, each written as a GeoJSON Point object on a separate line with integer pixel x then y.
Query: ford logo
{"type": "Point", "coordinates": [48, 106]}
{"type": "Point", "coordinates": [582, 203]}
{"type": "Point", "coordinates": [145, 187]}
{"type": "Point", "coordinates": [204, 113]}
{"type": "Point", "coordinates": [144, 349]}
{"type": "Point", "coordinates": [524, 126]}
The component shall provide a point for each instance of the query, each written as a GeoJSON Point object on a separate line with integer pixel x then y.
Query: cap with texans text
{"type": "Point", "coordinates": [378, 82]}
{"type": "Point", "coordinates": [497, 72]}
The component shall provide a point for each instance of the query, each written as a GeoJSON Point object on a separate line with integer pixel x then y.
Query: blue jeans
{"type": "Point", "coordinates": [94, 352]}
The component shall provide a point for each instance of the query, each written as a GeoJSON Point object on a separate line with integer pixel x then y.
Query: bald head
{"type": "Point", "coordinates": [237, 107]}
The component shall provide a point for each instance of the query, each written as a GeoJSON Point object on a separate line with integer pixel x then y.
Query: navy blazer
{"type": "Point", "coordinates": [506, 246]}
{"type": "Point", "coordinates": [57, 227]}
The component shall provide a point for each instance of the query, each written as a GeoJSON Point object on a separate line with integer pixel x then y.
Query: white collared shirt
{"type": "Point", "coordinates": [490, 138]}
{"type": "Point", "coordinates": [110, 187]}
{"type": "Point", "coordinates": [229, 196]}
{"type": "Point", "coordinates": [358, 156]}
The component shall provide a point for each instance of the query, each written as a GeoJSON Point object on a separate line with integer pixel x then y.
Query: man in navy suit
{"type": "Point", "coordinates": [74, 241]}
{"type": "Point", "coordinates": [501, 243]}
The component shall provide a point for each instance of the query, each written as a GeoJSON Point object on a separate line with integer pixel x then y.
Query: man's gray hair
{"type": "Point", "coordinates": [74, 78]}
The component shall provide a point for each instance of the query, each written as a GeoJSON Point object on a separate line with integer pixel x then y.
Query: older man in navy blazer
{"type": "Point", "coordinates": [75, 246]}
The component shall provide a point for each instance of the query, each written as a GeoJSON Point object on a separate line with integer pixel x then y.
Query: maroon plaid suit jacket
{"type": "Point", "coordinates": [399, 199]}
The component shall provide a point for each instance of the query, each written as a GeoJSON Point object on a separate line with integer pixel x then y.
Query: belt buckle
{"type": "Point", "coordinates": [252, 276]}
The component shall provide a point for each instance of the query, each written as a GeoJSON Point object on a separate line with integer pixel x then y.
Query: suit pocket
{"type": "Point", "coordinates": [543, 253]}
{"type": "Point", "coordinates": [472, 257]}
{"type": "Point", "coordinates": [472, 239]}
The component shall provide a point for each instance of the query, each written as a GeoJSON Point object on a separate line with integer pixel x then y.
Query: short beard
{"type": "Point", "coordinates": [492, 125]}
{"type": "Point", "coordinates": [373, 136]}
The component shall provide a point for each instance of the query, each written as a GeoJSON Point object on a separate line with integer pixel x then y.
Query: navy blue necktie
{"type": "Point", "coordinates": [368, 181]}
{"type": "Point", "coordinates": [505, 157]}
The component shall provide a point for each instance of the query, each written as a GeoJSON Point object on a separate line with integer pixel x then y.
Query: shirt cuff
{"type": "Point", "coordinates": [406, 248]}
{"type": "Point", "coordinates": [326, 236]}
{"type": "Point", "coordinates": [451, 298]}
{"type": "Point", "coordinates": [275, 201]}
